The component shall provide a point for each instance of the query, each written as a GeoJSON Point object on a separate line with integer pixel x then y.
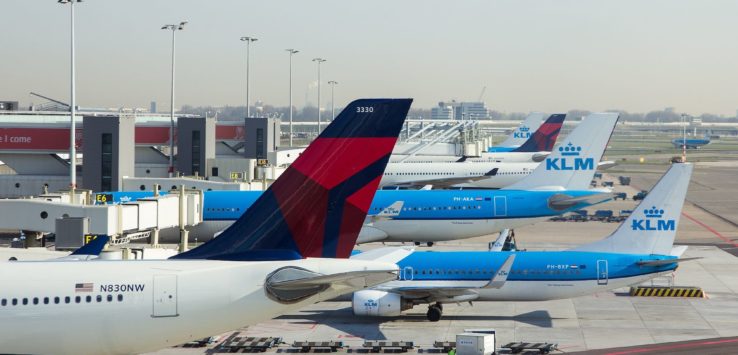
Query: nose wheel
{"type": "Point", "coordinates": [435, 311]}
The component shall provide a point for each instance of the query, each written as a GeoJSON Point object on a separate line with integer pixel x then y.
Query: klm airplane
{"type": "Point", "coordinates": [558, 185]}
{"type": "Point", "coordinates": [640, 249]}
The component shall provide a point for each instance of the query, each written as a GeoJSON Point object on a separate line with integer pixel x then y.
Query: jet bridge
{"type": "Point", "coordinates": [122, 222]}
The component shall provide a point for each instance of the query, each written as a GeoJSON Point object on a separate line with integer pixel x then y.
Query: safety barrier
{"type": "Point", "coordinates": [665, 291]}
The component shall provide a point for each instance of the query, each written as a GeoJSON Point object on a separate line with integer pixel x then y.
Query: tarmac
{"type": "Point", "coordinates": [605, 322]}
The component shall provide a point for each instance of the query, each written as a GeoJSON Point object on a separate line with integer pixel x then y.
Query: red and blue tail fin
{"type": "Point", "coordinates": [318, 205]}
{"type": "Point", "coordinates": [545, 137]}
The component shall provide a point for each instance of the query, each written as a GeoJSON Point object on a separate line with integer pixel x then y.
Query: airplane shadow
{"type": "Point", "coordinates": [369, 327]}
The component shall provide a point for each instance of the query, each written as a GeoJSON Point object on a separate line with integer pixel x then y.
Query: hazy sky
{"type": "Point", "coordinates": [532, 55]}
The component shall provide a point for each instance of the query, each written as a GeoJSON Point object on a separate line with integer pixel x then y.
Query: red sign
{"type": "Point", "coordinates": [57, 138]}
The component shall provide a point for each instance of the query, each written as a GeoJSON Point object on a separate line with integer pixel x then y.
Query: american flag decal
{"type": "Point", "coordinates": [83, 287]}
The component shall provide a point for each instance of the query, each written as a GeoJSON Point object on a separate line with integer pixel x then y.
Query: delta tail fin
{"type": "Point", "coordinates": [318, 205]}
{"type": "Point", "coordinates": [526, 129]}
{"type": "Point", "coordinates": [652, 226]}
{"type": "Point", "coordinates": [544, 138]}
{"type": "Point", "coordinates": [572, 164]}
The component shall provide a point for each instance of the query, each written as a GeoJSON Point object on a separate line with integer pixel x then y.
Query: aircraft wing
{"type": "Point", "coordinates": [291, 284]}
{"type": "Point", "coordinates": [450, 182]}
{"type": "Point", "coordinates": [388, 255]}
{"type": "Point", "coordinates": [560, 202]}
{"type": "Point", "coordinates": [451, 292]}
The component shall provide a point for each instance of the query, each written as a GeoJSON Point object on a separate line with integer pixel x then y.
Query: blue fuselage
{"type": "Point", "coordinates": [417, 204]}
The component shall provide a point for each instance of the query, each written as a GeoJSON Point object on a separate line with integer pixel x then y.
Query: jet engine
{"type": "Point", "coordinates": [378, 303]}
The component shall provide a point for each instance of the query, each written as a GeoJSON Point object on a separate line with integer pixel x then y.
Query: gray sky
{"type": "Point", "coordinates": [532, 55]}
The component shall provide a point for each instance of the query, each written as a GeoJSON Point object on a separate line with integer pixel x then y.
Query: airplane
{"type": "Point", "coordinates": [520, 135]}
{"type": "Point", "coordinates": [536, 145]}
{"type": "Point", "coordinates": [691, 143]}
{"type": "Point", "coordinates": [282, 254]}
{"type": "Point", "coordinates": [558, 185]}
{"type": "Point", "coordinates": [640, 249]}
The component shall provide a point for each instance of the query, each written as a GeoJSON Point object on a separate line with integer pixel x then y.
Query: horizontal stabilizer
{"type": "Point", "coordinates": [664, 261]}
{"type": "Point", "coordinates": [606, 164]}
{"type": "Point", "coordinates": [560, 202]}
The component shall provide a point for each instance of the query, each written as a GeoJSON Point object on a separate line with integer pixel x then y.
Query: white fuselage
{"type": "Point", "coordinates": [508, 157]}
{"type": "Point", "coordinates": [419, 173]}
{"type": "Point", "coordinates": [139, 306]}
{"type": "Point", "coordinates": [389, 229]}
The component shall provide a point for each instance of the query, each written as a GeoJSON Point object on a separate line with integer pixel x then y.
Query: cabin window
{"type": "Point", "coordinates": [35, 300]}
{"type": "Point", "coordinates": [67, 299]}
{"type": "Point", "coordinates": [120, 298]}
{"type": "Point", "coordinates": [110, 298]}
{"type": "Point", "coordinates": [99, 298]}
{"type": "Point", "coordinates": [25, 301]}
{"type": "Point", "coordinates": [15, 301]}
{"type": "Point", "coordinates": [77, 299]}
{"type": "Point", "coordinates": [56, 300]}
{"type": "Point", "coordinates": [4, 302]}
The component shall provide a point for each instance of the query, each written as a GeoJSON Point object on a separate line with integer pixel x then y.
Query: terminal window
{"type": "Point", "coordinates": [195, 152]}
{"type": "Point", "coordinates": [107, 162]}
{"type": "Point", "coordinates": [260, 144]}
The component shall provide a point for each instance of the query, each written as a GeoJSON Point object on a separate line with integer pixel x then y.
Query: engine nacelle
{"type": "Point", "coordinates": [378, 303]}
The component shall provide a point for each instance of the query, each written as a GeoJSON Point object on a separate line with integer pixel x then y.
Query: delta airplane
{"type": "Point", "coordinates": [558, 185]}
{"type": "Point", "coordinates": [521, 134]}
{"type": "Point", "coordinates": [530, 146]}
{"type": "Point", "coordinates": [640, 249]}
{"type": "Point", "coordinates": [279, 256]}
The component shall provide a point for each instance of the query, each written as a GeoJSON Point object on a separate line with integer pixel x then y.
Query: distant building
{"type": "Point", "coordinates": [460, 110]}
{"type": "Point", "coordinates": [152, 108]}
{"type": "Point", "coordinates": [8, 105]}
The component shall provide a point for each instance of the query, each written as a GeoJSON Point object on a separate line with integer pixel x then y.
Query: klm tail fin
{"type": "Point", "coordinates": [526, 129]}
{"type": "Point", "coordinates": [318, 205]}
{"type": "Point", "coordinates": [544, 138]}
{"type": "Point", "coordinates": [572, 165]}
{"type": "Point", "coordinates": [652, 227]}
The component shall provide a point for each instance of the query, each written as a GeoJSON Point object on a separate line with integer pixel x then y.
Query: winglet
{"type": "Point", "coordinates": [500, 241]}
{"type": "Point", "coordinates": [93, 247]}
{"type": "Point", "coordinates": [501, 276]}
{"type": "Point", "coordinates": [389, 212]}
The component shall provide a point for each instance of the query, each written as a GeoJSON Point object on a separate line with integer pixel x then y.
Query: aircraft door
{"type": "Point", "coordinates": [165, 296]}
{"type": "Point", "coordinates": [602, 272]}
{"type": "Point", "coordinates": [500, 207]}
{"type": "Point", "coordinates": [407, 273]}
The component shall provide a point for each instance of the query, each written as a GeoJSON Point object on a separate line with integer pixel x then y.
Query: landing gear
{"type": "Point", "coordinates": [435, 311]}
{"type": "Point", "coordinates": [417, 244]}
{"type": "Point", "coordinates": [430, 244]}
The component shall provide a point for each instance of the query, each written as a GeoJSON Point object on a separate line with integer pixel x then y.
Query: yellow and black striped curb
{"type": "Point", "coordinates": [665, 291]}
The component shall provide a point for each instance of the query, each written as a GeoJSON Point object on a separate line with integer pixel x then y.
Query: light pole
{"type": "Point", "coordinates": [72, 106]}
{"type": "Point", "coordinates": [291, 52]}
{"type": "Point", "coordinates": [174, 28]}
{"type": "Point", "coordinates": [319, 60]}
{"type": "Point", "coordinates": [333, 84]}
{"type": "Point", "coordinates": [248, 41]}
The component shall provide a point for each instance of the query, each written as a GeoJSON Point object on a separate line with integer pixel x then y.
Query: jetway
{"type": "Point", "coordinates": [123, 222]}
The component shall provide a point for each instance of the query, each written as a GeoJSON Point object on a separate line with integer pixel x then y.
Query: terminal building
{"type": "Point", "coordinates": [121, 151]}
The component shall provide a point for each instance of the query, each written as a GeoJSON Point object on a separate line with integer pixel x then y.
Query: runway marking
{"type": "Point", "coordinates": [672, 347]}
{"type": "Point", "coordinates": [713, 231]}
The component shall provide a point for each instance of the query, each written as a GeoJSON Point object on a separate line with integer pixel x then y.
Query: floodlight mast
{"type": "Point", "coordinates": [174, 28]}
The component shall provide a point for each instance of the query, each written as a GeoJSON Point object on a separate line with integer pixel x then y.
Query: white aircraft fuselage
{"type": "Point", "coordinates": [454, 174]}
{"type": "Point", "coordinates": [56, 307]}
